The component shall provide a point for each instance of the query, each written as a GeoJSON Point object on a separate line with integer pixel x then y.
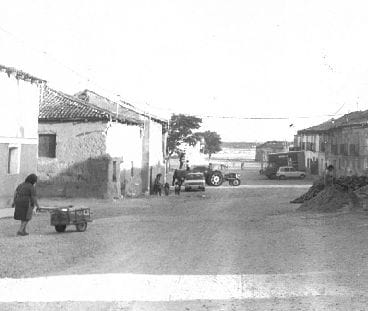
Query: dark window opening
{"type": "Point", "coordinates": [47, 145]}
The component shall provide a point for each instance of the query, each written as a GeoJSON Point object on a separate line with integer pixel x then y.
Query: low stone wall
{"type": "Point", "coordinates": [83, 179]}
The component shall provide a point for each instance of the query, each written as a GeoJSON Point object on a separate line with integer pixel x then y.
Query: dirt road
{"type": "Point", "coordinates": [225, 249]}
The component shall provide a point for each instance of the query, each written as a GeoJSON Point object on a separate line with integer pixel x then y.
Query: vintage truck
{"type": "Point", "coordinates": [294, 159]}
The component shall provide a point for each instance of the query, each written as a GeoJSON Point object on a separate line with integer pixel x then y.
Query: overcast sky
{"type": "Point", "coordinates": [300, 60]}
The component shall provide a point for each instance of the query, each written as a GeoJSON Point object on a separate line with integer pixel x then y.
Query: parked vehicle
{"type": "Point", "coordinates": [233, 179]}
{"type": "Point", "coordinates": [194, 181]}
{"type": "Point", "coordinates": [294, 159]}
{"type": "Point", "coordinates": [212, 177]}
{"type": "Point", "coordinates": [285, 172]}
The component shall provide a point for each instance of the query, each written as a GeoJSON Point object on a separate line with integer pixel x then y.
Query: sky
{"type": "Point", "coordinates": [301, 62]}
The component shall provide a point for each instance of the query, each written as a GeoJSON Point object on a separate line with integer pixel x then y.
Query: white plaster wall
{"type": "Point", "coordinates": [155, 144]}
{"type": "Point", "coordinates": [19, 104]}
{"type": "Point", "coordinates": [125, 141]}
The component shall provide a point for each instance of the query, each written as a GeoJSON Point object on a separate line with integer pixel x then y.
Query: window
{"type": "Point", "coordinates": [354, 150]}
{"type": "Point", "coordinates": [47, 145]}
{"type": "Point", "coordinates": [13, 160]}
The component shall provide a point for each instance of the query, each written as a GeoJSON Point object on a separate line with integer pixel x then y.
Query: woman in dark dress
{"type": "Point", "coordinates": [24, 201]}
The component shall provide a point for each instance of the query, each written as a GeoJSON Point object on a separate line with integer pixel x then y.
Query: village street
{"type": "Point", "coordinates": [224, 249]}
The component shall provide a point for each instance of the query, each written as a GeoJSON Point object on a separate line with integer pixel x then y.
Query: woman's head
{"type": "Point", "coordinates": [32, 179]}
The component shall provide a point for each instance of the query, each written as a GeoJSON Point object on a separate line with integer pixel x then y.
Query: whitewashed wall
{"type": "Point", "coordinates": [19, 104]}
{"type": "Point", "coordinates": [155, 144]}
{"type": "Point", "coordinates": [125, 141]}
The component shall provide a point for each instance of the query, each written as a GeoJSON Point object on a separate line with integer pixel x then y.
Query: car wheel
{"type": "Point", "coordinates": [60, 228]}
{"type": "Point", "coordinates": [302, 176]}
{"type": "Point", "coordinates": [282, 177]}
{"type": "Point", "coordinates": [216, 179]}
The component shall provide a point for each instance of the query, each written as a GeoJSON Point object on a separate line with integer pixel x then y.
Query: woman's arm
{"type": "Point", "coordinates": [34, 198]}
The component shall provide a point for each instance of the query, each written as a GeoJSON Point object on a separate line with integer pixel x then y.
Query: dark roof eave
{"type": "Point", "coordinates": [338, 127]}
{"type": "Point", "coordinates": [64, 120]}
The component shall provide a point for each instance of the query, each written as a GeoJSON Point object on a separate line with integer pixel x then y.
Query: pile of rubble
{"type": "Point", "coordinates": [348, 191]}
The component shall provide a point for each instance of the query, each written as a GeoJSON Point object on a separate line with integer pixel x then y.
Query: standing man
{"type": "Point", "coordinates": [329, 175]}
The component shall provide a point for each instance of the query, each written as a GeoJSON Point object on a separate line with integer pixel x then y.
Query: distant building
{"type": "Point", "coordinates": [20, 95]}
{"type": "Point", "coordinates": [313, 142]}
{"type": "Point", "coordinates": [342, 142]}
{"type": "Point", "coordinates": [268, 147]}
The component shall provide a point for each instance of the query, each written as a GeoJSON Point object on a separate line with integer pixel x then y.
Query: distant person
{"type": "Point", "coordinates": [157, 186]}
{"type": "Point", "coordinates": [187, 165]}
{"type": "Point", "coordinates": [24, 201]}
{"type": "Point", "coordinates": [242, 165]}
{"type": "Point", "coordinates": [181, 160]}
{"type": "Point", "coordinates": [329, 175]}
{"type": "Point", "coordinates": [167, 189]}
{"type": "Point", "coordinates": [177, 186]}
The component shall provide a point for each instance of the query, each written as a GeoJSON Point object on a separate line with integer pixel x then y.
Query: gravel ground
{"type": "Point", "coordinates": [233, 231]}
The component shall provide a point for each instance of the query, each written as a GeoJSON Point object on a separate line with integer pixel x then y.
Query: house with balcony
{"type": "Point", "coordinates": [313, 141]}
{"type": "Point", "coordinates": [342, 142]}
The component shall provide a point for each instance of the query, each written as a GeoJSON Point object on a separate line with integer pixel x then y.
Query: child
{"type": "Point", "coordinates": [167, 189]}
{"type": "Point", "coordinates": [177, 187]}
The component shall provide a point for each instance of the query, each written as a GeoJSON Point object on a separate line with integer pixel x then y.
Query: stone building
{"type": "Point", "coordinates": [82, 148]}
{"type": "Point", "coordinates": [313, 141]}
{"type": "Point", "coordinates": [154, 136]}
{"type": "Point", "coordinates": [20, 95]}
{"type": "Point", "coordinates": [342, 142]}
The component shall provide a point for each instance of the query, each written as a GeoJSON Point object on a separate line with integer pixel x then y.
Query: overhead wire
{"type": "Point", "coordinates": [168, 110]}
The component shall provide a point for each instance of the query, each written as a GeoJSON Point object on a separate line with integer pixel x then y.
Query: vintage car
{"type": "Point", "coordinates": [289, 172]}
{"type": "Point", "coordinates": [194, 181]}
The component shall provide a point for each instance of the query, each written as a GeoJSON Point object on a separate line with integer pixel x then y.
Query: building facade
{"type": "Point", "coordinates": [20, 95]}
{"type": "Point", "coordinates": [342, 143]}
{"type": "Point", "coordinates": [152, 157]}
{"type": "Point", "coordinates": [83, 148]}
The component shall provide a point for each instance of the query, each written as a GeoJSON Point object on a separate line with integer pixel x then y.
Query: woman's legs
{"type": "Point", "coordinates": [22, 228]}
{"type": "Point", "coordinates": [25, 225]}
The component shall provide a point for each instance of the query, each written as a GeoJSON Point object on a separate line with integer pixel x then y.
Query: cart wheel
{"type": "Point", "coordinates": [60, 228]}
{"type": "Point", "coordinates": [236, 182]}
{"type": "Point", "coordinates": [81, 226]}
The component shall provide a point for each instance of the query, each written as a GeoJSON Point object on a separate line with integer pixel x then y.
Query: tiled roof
{"type": "Point", "coordinates": [19, 74]}
{"type": "Point", "coordinates": [350, 119]}
{"type": "Point", "coordinates": [60, 107]}
{"type": "Point", "coordinates": [125, 109]}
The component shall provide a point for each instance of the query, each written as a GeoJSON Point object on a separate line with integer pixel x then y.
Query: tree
{"type": "Point", "coordinates": [181, 131]}
{"type": "Point", "coordinates": [212, 142]}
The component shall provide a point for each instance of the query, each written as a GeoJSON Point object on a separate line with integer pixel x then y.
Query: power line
{"type": "Point", "coordinates": [129, 106]}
